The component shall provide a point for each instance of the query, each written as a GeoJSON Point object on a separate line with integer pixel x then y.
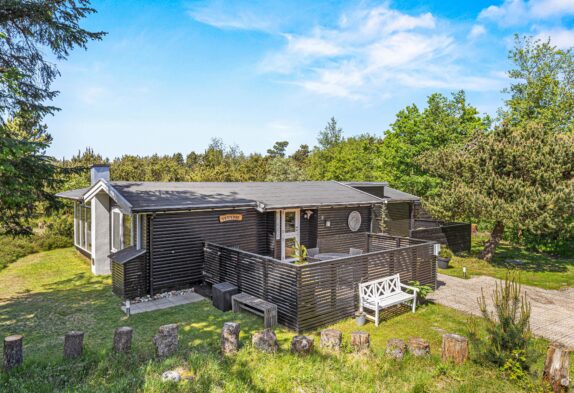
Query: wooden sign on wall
{"type": "Point", "coordinates": [230, 217]}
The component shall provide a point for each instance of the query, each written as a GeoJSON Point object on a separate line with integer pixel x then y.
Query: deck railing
{"type": "Point", "coordinates": [319, 293]}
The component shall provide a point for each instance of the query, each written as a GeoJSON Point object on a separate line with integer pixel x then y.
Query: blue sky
{"type": "Point", "coordinates": [171, 75]}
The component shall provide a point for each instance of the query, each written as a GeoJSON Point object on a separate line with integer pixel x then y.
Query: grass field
{"type": "Point", "coordinates": [44, 295]}
{"type": "Point", "coordinates": [536, 269]}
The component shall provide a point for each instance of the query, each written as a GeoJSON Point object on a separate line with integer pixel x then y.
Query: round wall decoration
{"type": "Point", "coordinates": [354, 221]}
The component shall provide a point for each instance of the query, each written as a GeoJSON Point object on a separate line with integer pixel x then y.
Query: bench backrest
{"type": "Point", "coordinates": [381, 288]}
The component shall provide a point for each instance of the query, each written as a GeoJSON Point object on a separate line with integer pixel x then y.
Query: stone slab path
{"type": "Point", "coordinates": [166, 302]}
{"type": "Point", "coordinates": [552, 311]}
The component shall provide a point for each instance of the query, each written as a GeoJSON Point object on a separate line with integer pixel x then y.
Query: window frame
{"type": "Point", "coordinates": [83, 231]}
{"type": "Point", "coordinates": [121, 229]}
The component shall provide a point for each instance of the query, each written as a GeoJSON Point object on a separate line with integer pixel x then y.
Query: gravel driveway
{"type": "Point", "coordinates": [552, 311]}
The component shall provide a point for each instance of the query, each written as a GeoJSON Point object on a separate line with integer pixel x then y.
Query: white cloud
{"type": "Point", "coordinates": [521, 12]}
{"type": "Point", "coordinates": [562, 38]}
{"type": "Point", "coordinates": [368, 53]}
{"type": "Point", "coordinates": [546, 8]}
{"type": "Point", "coordinates": [232, 15]}
{"type": "Point", "coordinates": [476, 31]}
{"type": "Point", "coordinates": [372, 53]}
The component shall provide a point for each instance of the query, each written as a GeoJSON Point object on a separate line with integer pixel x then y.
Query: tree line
{"type": "Point", "coordinates": [513, 172]}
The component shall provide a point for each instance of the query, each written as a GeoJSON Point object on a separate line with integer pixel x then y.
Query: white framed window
{"type": "Point", "coordinates": [83, 226]}
{"type": "Point", "coordinates": [121, 230]}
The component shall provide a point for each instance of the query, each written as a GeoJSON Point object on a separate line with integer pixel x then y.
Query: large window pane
{"type": "Point", "coordinates": [290, 222]}
{"type": "Point", "coordinates": [127, 230]}
{"type": "Point", "coordinates": [77, 224]}
{"type": "Point", "coordinates": [88, 228]}
{"type": "Point", "coordinates": [116, 235]}
{"type": "Point", "coordinates": [290, 248]}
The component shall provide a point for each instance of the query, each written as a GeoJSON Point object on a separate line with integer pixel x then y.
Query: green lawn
{"type": "Point", "coordinates": [540, 270]}
{"type": "Point", "coordinates": [44, 295]}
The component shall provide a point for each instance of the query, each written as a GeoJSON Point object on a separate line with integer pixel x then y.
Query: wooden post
{"type": "Point", "coordinates": [396, 348]}
{"type": "Point", "coordinates": [73, 344]}
{"type": "Point", "coordinates": [230, 338]}
{"type": "Point", "coordinates": [331, 339]}
{"type": "Point", "coordinates": [454, 348]}
{"type": "Point", "coordinates": [557, 368]}
{"type": "Point", "coordinates": [360, 341]}
{"type": "Point", "coordinates": [13, 353]}
{"type": "Point", "coordinates": [418, 346]}
{"type": "Point", "coordinates": [302, 345]}
{"type": "Point", "coordinates": [166, 340]}
{"type": "Point", "coordinates": [265, 341]}
{"type": "Point", "coordinates": [123, 339]}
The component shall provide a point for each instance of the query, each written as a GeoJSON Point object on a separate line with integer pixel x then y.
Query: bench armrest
{"type": "Point", "coordinates": [409, 287]}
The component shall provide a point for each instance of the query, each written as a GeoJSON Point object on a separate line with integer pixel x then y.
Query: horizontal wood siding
{"type": "Point", "coordinates": [177, 243]}
{"type": "Point", "coordinates": [129, 280]}
{"type": "Point", "coordinates": [263, 277]}
{"type": "Point", "coordinates": [339, 217]}
{"type": "Point", "coordinates": [316, 294]}
{"type": "Point", "coordinates": [457, 236]}
{"type": "Point", "coordinates": [399, 217]}
{"type": "Point", "coordinates": [328, 291]}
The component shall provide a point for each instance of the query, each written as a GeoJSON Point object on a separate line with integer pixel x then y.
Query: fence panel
{"type": "Point", "coordinates": [320, 293]}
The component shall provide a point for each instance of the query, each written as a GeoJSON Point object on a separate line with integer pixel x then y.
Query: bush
{"type": "Point", "coordinates": [12, 249]}
{"type": "Point", "coordinates": [445, 252]}
{"type": "Point", "coordinates": [423, 290]}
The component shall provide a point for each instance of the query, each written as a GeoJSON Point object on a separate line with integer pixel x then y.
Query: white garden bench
{"type": "Point", "coordinates": [385, 292]}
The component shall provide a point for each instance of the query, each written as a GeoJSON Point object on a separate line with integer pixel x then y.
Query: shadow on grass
{"type": "Point", "coordinates": [516, 257]}
{"type": "Point", "coordinates": [80, 303]}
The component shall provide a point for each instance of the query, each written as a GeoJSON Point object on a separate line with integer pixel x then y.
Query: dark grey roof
{"type": "Point", "coordinates": [127, 254]}
{"type": "Point", "coordinates": [366, 183]}
{"type": "Point", "coordinates": [75, 195]}
{"type": "Point", "coordinates": [396, 195]}
{"type": "Point", "coordinates": [159, 196]}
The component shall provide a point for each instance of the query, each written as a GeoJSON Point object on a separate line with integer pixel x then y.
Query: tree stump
{"type": "Point", "coordinates": [13, 352]}
{"type": "Point", "coordinates": [165, 340]}
{"type": "Point", "coordinates": [302, 345]}
{"type": "Point", "coordinates": [396, 348]}
{"type": "Point", "coordinates": [265, 341]}
{"type": "Point", "coordinates": [360, 341]}
{"type": "Point", "coordinates": [73, 344]}
{"type": "Point", "coordinates": [230, 338]}
{"type": "Point", "coordinates": [418, 346]}
{"type": "Point", "coordinates": [557, 368]}
{"type": "Point", "coordinates": [331, 339]}
{"type": "Point", "coordinates": [454, 348]}
{"type": "Point", "coordinates": [123, 339]}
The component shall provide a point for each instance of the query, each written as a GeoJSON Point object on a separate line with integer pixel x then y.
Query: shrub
{"type": "Point", "coordinates": [14, 248]}
{"type": "Point", "coordinates": [445, 252]}
{"type": "Point", "coordinates": [508, 327]}
{"type": "Point", "coordinates": [423, 290]}
{"type": "Point", "coordinates": [300, 253]}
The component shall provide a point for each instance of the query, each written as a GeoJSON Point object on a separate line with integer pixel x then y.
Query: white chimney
{"type": "Point", "coordinates": [99, 171]}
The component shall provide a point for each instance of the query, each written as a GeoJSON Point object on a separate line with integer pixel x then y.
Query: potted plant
{"type": "Point", "coordinates": [300, 254]}
{"type": "Point", "coordinates": [360, 318]}
{"type": "Point", "coordinates": [444, 257]}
